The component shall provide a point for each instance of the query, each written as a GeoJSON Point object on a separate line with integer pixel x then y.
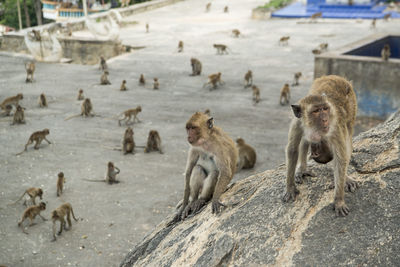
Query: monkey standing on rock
{"type": "Point", "coordinates": [324, 120]}
{"type": "Point", "coordinates": [36, 137]}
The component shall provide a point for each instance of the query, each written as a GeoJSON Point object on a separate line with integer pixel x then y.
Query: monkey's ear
{"type": "Point", "coordinates": [210, 123]}
{"type": "Point", "coordinates": [296, 110]}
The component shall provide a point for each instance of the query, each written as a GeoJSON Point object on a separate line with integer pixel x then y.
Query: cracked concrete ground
{"type": "Point", "coordinates": [115, 218]}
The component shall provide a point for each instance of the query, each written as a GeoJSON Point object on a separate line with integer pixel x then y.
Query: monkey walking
{"type": "Point", "coordinates": [36, 137]}
{"type": "Point", "coordinates": [221, 49]}
{"type": "Point", "coordinates": [31, 213]}
{"type": "Point", "coordinates": [324, 120]}
{"type": "Point", "coordinates": [128, 115]}
{"type": "Point", "coordinates": [12, 100]}
{"type": "Point", "coordinates": [285, 95]}
{"type": "Point", "coordinates": [214, 80]}
{"type": "Point", "coordinates": [58, 215]}
{"type": "Point", "coordinates": [284, 40]}
{"type": "Point", "coordinates": [247, 155]}
{"type": "Point", "coordinates": [236, 33]}
{"type": "Point", "coordinates": [180, 47]}
{"type": "Point", "coordinates": [111, 175]}
{"type": "Point", "coordinates": [32, 192]}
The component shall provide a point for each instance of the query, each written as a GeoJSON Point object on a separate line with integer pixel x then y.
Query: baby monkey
{"type": "Point", "coordinates": [31, 213]}
{"type": "Point", "coordinates": [58, 215]}
{"type": "Point", "coordinates": [80, 95]}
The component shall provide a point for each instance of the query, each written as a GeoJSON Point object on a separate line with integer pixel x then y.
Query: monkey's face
{"type": "Point", "coordinates": [319, 115]}
{"type": "Point", "coordinates": [240, 141]}
{"type": "Point", "coordinates": [198, 128]}
{"type": "Point", "coordinates": [54, 215]}
{"type": "Point", "coordinates": [42, 205]}
{"type": "Point", "coordinates": [20, 96]}
{"type": "Point", "coordinates": [40, 193]}
{"type": "Point", "coordinates": [46, 131]}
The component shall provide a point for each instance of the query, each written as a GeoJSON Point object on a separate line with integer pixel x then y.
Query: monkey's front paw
{"type": "Point", "coordinates": [341, 209]}
{"type": "Point", "coordinates": [197, 205]}
{"type": "Point", "coordinates": [290, 195]}
{"type": "Point", "coordinates": [351, 185]}
{"type": "Point", "coordinates": [216, 206]}
{"type": "Point", "coordinates": [301, 175]}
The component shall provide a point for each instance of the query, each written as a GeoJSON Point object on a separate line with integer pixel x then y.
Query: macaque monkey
{"type": "Point", "coordinates": [247, 155]}
{"type": "Point", "coordinates": [86, 108]}
{"type": "Point", "coordinates": [153, 142]}
{"type": "Point", "coordinates": [103, 64]}
{"type": "Point", "coordinates": [214, 80]}
{"type": "Point", "coordinates": [111, 174]}
{"type": "Point", "coordinates": [236, 33]}
{"type": "Point", "coordinates": [248, 78]}
{"type": "Point", "coordinates": [80, 95]}
{"type": "Point", "coordinates": [196, 66]}
{"type": "Point", "coordinates": [316, 51]}
{"type": "Point", "coordinates": [284, 40]}
{"type": "Point", "coordinates": [180, 46]}
{"type": "Point", "coordinates": [256, 94]}
{"type": "Point", "coordinates": [324, 120]}
{"type": "Point", "coordinates": [7, 110]}
{"type": "Point", "coordinates": [385, 53]}
{"type": "Point", "coordinates": [128, 144]}
{"type": "Point", "coordinates": [285, 95]}
{"type": "Point", "coordinates": [156, 84]}
{"type": "Point", "coordinates": [37, 137]}
{"type": "Point", "coordinates": [125, 3]}
{"type": "Point", "coordinates": [58, 215]}
{"type": "Point", "coordinates": [387, 16]}
{"type": "Point", "coordinates": [207, 112]}
{"type": "Point", "coordinates": [123, 86]}
{"type": "Point", "coordinates": [142, 81]}
{"type": "Point", "coordinates": [129, 113]}
{"type": "Point", "coordinates": [19, 116]}
{"type": "Point", "coordinates": [147, 28]}
{"type": "Point", "coordinates": [60, 183]}
{"type": "Point", "coordinates": [104, 78]}
{"type": "Point", "coordinates": [31, 213]}
{"type": "Point", "coordinates": [323, 47]}
{"type": "Point", "coordinates": [30, 70]}
{"type": "Point", "coordinates": [211, 164]}
{"type": "Point", "coordinates": [12, 100]}
{"type": "Point", "coordinates": [208, 7]}
{"type": "Point", "coordinates": [373, 24]}
{"type": "Point", "coordinates": [315, 16]}
{"type": "Point", "coordinates": [32, 192]}
{"type": "Point", "coordinates": [221, 49]}
{"type": "Point", "coordinates": [297, 76]}
{"type": "Point", "coordinates": [36, 35]}
{"type": "Point", "coordinates": [42, 100]}
{"type": "Point", "coordinates": [226, 9]}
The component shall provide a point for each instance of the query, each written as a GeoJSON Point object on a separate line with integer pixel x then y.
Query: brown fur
{"type": "Point", "coordinates": [32, 192]}
{"type": "Point", "coordinates": [58, 215]}
{"type": "Point", "coordinates": [128, 144]}
{"type": "Point", "coordinates": [180, 46]}
{"type": "Point", "coordinates": [284, 40]}
{"type": "Point", "coordinates": [104, 78]}
{"type": "Point", "coordinates": [12, 100]}
{"type": "Point", "coordinates": [111, 174]}
{"type": "Point", "coordinates": [207, 112]}
{"type": "Point", "coordinates": [196, 66]}
{"type": "Point", "coordinates": [226, 9]}
{"type": "Point", "coordinates": [256, 94]}
{"type": "Point", "coordinates": [316, 15]}
{"type": "Point", "coordinates": [316, 51]}
{"type": "Point", "coordinates": [37, 137]}
{"type": "Point", "coordinates": [236, 33]}
{"type": "Point", "coordinates": [80, 95]}
{"type": "Point", "coordinates": [208, 7]}
{"type": "Point", "coordinates": [19, 116]}
{"type": "Point", "coordinates": [297, 76]}
{"type": "Point", "coordinates": [156, 84]}
{"type": "Point", "coordinates": [323, 47]}
{"type": "Point", "coordinates": [31, 213]}
{"type": "Point", "coordinates": [142, 81]}
{"type": "Point", "coordinates": [324, 120]}
{"type": "Point", "coordinates": [147, 28]}
{"type": "Point", "coordinates": [221, 49]}
{"type": "Point", "coordinates": [7, 110]}
{"type": "Point", "coordinates": [42, 100]}
{"type": "Point", "coordinates": [30, 70]}
{"type": "Point", "coordinates": [214, 80]}
{"type": "Point", "coordinates": [285, 95]}
{"type": "Point", "coordinates": [86, 108]}
{"type": "Point", "coordinates": [247, 155]}
{"type": "Point", "coordinates": [103, 64]}
{"type": "Point", "coordinates": [153, 142]}
{"type": "Point", "coordinates": [123, 86]}
{"type": "Point", "coordinates": [60, 183]}
{"type": "Point", "coordinates": [248, 78]}
{"type": "Point", "coordinates": [385, 53]}
{"type": "Point", "coordinates": [129, 113]}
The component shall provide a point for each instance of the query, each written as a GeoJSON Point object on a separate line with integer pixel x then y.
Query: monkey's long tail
{"type": "Point", "coordinates": [73, 215]}
{"type": "Point", "coordinates": [113, 148]}
{"type": "Point", "coordinates": [20, 152]}
{"type": "Point", "coordinates": [88, 180]}
{"type": "Point", "coordinates": [18, 199]}
{"type": "Point", "coordinates": [73, 116]}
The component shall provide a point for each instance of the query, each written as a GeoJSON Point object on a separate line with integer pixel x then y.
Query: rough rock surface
{"type": "Point", "coordinates": [259, 229]}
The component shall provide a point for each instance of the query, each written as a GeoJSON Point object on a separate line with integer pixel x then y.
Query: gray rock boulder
{"type": "Point", "coordinates": [259, 229]}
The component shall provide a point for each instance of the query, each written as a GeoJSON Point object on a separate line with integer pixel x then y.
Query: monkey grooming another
{"type": "Point", "coordinates": [153, 142]}
{"type": "Point", "coordinates": [324, 120]}
{"type": "Point", "coordinates": [58, 215]}
{"type": "Point", "coordinates": [211, 164]}
{"type": "Point", "coordinates": [31, 213]}
{"type": "Point", "coordinates": [247, 155]}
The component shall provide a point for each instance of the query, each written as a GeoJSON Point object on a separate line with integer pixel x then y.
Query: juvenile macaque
{"type": "Point", "coordinates": [42, 100]}
{"type": "Point", "coordinates": [226, 9]}
{"type": "Point", "coordinates": [37, 137]}
{"type": "Point", "coordinates": [123, 86]}
{"type": "Point", "coordinates": [316, 51]}
{"type": "Point", "coordinates": [247, 155]}
{"type": "Point", "coordinates": [129, 113]}
{"type": "Point", "coordinates": [31, 213]}
{"type": "Point", "coordinates": [248, 78]}
{"type": "Point", "coordinates": [297, 76]}
{"type": "Point", "coordinates": [196, 66]}
{"type": "Point", "coordinates": [373, 24]}
{"type": "Point", "coordinates": [30, 70]}
{"type": "Point", "coordinates": [208, 7]}
{"type": "Point", "coordinates": [385, 53]}
{"type": "Point", "coordinates": [214, 80]}
{"type": "Point", "coordinates": [32, 192]}
{"type": "Point", "coordinates": [285, 95]}
{"type": "Point", "coordinates": [315, 16]}
{"type": "Point", "coordinates": [103, 64]}
{"type": "Point", "coordinates": [324, 120]}
{"type": "Point", "coordinates": [156, 84]}
{"type": "Point", "coordinates": [104, 78]}
{"type": "Point", "coordinates": [284, 40]}
{"type": "Point", "coordinates": [111, 175]}
{"type": "Point", "coordinates": [221, 49]}
{"type": "Point", "coordinates": [211, 164]}
{"type": "Point", "coordinates": [58, 215]}
{"type": "Point", "coordinates": [323, 47]}
{"type": "Point", "coordinates": [19, 116]}
{"type": "Point", "coordinates": [12, 100]}
{"type": "Point", "coordinates": [147, 28]}
{"type": "Point", "coordinates": [256, 94]}
{"type": "Point", "coordinates": [128, 144]}
{"type": "Point", "coordinates": [236, 33]}
{"type": "Point", "coordinates": [180, 46]}
{"type": "Point", "coordinates": [80, 95]}
{"type": "Point", "coordinates": [153, 142]}
{"type": "Point", "coordinates": [60, 183]}
{"type": "Point", "coordinates": [142, 81]}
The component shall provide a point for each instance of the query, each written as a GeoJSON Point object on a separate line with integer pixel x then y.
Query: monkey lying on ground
{"type": "Point", "coordinates": [30, 70]}
{"type": "Point", "coordinates": [247, 155]}
{"type": "Point", "coordinates": [196, 66]}
{"type": "Point", "coordinates": [60, 183]}
{"type": "Point", "coordinates": [58, 215]}
{"type": "Point", "coordinates": [31, 213]}
{"type": "Point", "coordinates": [153, 142]}
{"type": "Point", "coordinates": [32, 192]}
{"type": "Point", "coordinates": [111, 174]}
{"type": "Point", "coordinates": [36, 137]}
{"type": "Point", "coordinates": [129, 113]}
{"type": "Point", "coordinates": [324, 120]}
{"type": "Point", "coordinates": [211, 164]}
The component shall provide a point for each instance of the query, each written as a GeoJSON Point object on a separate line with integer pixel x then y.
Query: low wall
{"type": "Point", "coordinates": [375, 81]}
